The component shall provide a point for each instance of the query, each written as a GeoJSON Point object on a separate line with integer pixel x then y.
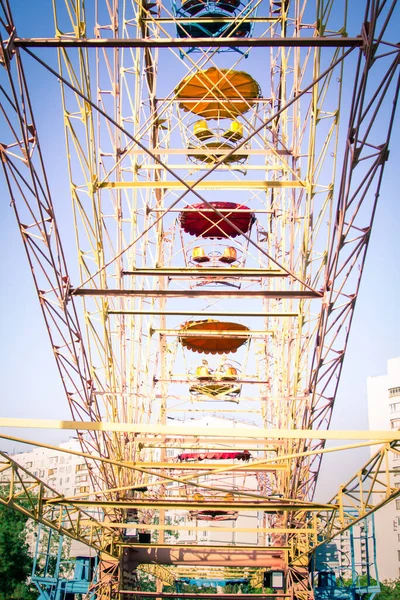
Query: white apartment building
{"type": "Point", "coordinates": [384, 413]}
{"type": "Point", "coordinates": [66, 473]}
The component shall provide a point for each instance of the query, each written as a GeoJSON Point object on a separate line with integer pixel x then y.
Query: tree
{"type": "Point", "coordinates": [15, 561]}
{"type": "Point", "coordinates": [390, 590]}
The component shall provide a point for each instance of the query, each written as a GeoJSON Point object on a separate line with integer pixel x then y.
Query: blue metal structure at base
{"type": "Point", "coordinates": [208, 582]}
{"type": "Point", "coordinates": [346, 568]}
{"type": "Point", "coordinates": [57, 578]}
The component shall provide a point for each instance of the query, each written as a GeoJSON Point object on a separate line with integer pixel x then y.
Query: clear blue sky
{"type": "Point", "coordinates": [29, 380]}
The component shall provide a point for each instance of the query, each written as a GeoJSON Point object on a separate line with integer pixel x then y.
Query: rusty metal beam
{"type": "Point", "coordinates": [213, 556]}
{"type": "Point", "coordinates": [230, 42]}
{"type": "Point", "coordinates": [196, 293]}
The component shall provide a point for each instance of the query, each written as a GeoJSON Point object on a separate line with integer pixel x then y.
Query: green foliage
{"type": "Point", "coordinates": [49, 544]}
{"type": "Point", "coordinates": [15, 562]}
{"type": "Point", "coordinates": [390, 590]}
{"type": "Point", "coordinates": [362, 581]}
{"type": "Point", "coordinates": [169, 533]}
{"type": "Point", "coordinates": [191, 588]}
{"type": "Point", "coordinates": [147, 583]}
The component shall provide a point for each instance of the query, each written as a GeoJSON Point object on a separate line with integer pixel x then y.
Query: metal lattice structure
{"type": "Point", "coordinates": [225, 162]}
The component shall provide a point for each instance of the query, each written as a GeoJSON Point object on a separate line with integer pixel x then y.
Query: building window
{"type": "Point", "coordinates": [394, 407]}
{"type": "Point", "coordinates": [395, 391]}
{"type": "Point", "coordinates": [84, 489]}
{"type": "Point", "coordinates": [82, 467]}
{"type": "Point", "coordinates": [28, 464]}
{"type": "Point", "coordinates": [52, 471]}
{"type": "Point", "coordinates": [398, 504]}
{"type": "Point", "coordinates": [395, 423]}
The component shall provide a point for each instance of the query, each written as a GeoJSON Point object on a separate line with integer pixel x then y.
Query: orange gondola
{"type": "Point", "coordinates": [216, 342]}
{"type": "Point", "coordinates": [218, 93]}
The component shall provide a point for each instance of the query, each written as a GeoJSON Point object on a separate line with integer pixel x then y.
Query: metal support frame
{"type": "Point", "coordinates": [115, 376]}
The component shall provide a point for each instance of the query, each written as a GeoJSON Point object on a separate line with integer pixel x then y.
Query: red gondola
{"type": "Point", "coordinates": [214, 515]}
{"type": "Point", "coordinates": [201, 220]}
{"type": "Point", "coordinates": [241, 455]}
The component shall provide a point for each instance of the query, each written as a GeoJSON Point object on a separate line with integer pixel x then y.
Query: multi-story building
{"type": "Point", "coordinates": [67, 473]}
{"type": "Point", "coordinates": [384, 413]}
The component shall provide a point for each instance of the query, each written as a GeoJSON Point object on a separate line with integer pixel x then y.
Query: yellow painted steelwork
{"type": "Point", "coordinates": [114, 317]}
{"type": "Point", "coordinates": [375, 436]}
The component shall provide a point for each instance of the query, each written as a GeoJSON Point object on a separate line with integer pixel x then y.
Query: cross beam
{"type": "Point", "coordinates": [230, 42]}
{"type": "Point", "coordinates": [210, 432]}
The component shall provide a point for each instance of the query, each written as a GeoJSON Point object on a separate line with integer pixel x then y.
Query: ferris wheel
{"type": "Point", "coordinates": [225, 160]}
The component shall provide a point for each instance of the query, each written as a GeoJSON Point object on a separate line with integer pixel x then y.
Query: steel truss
{"type": "Point", "coordinates": [118, 358]}
{"type": "Point", "coordinates": [366, 492]}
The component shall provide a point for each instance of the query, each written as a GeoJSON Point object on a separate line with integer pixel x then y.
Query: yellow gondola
{"type": "Point", "coordinates": [202, 131]}
{"type": "Point", "coordinates": [229, 256]}
{"type": "Point", "coordinates": [199, 255]}
{"type": "Point", "coordinates": [235, 132]}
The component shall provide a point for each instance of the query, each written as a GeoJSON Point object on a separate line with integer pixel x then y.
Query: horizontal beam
{"type": "Point", "coordinates": [174, 504]}
{"type": "Point", "coordinates": [201, 466]}
{"type": "Point", "coordinates": [189, 313]}
{"type": "Point", "coordinates": [207, 152]}
{"type": "Point", "coordinates": [213, 334]}
{"type": "Point", "coordinates": [214, 528]}
{"type": "Point", "coordinates": [220, 546]}
{"type": "Point", "coordinates": [227, 184]}
{"type": "Point", "coordinates": [183, 431]}
{"type": "Point", "coordinates": [213, 19]}
{"type": "Point", "coordinates": [303, 42]}
{"type": "Point", "coordinates": [205, 272]}
{"type": "Point", "coordinates": [209, 381]}
{"type": "Point", "coordinates": [196, 293]}
{"type": "Point", "coordinates": [212, 556]}
{"type": "Point", "coordinates": [140, 594]}
{"type": "Point", "coordinates": [200, 443]}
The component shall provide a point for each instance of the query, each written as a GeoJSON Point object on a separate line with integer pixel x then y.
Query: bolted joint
{"type": "Point", "coordinates": [7, 49]}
